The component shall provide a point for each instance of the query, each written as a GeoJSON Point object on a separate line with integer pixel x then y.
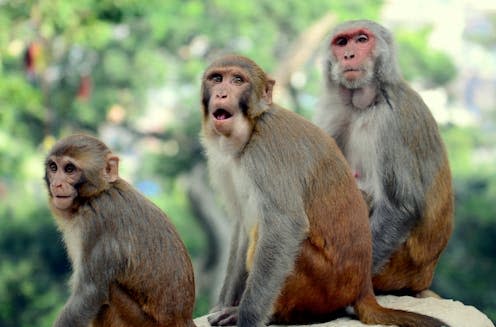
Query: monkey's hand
{"type": "Point", "coordinates": [226, 316]}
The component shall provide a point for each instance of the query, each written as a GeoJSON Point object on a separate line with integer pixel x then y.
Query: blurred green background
{"type": "Point", "coordinates": [129, 72]}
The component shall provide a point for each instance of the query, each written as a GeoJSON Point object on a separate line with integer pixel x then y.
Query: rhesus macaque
{"type": "Point", "coordinates": [129, 266]}
{"type": "Point", "coordinates": [392, 143]}
{"type": "Point", "coordinates": [301, 248]}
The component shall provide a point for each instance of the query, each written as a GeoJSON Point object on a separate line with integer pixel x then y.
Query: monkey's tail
{"type": "Point", "coordinates": [370, 312]}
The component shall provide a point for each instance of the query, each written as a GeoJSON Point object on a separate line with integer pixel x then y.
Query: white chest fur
{"type": "Point", "coordinates": [72, 237]}
{"type": "Point", "coordinates": [234, 186]}
{"type": "Point", "coordinates": [362, 153]}
{"type": "Point", "coordinates": [247, 197]}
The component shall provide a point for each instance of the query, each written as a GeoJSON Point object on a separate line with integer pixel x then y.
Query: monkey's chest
{"type": "Point", "coordinates": [73, 243]}
{"type": "Point", "coordinates": [246, 193]}
{"type": "Point", "coordinates": [362, 153]}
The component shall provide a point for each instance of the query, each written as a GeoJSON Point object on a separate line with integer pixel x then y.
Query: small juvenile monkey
{"type": "Point", "coordinates": [301, 248]}
{"type": "Point", "coordinates": [129, 266]}
{"type": "Point", "coordinates": [392, 143]}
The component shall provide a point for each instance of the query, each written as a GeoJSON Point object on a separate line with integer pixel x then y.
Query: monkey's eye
{"type": "Point", "coordinates": [237, 79]}
{"type": "Point", "coordinates": [341, 41]}
{"type": "Point", "coordinates": [70, 168]}
{"type": "Point", "coordinates": [52, 166]}
{"type": "Point", "coordinates": [362, 38]}
{"type": "Point", "coordinates": [216, 78]}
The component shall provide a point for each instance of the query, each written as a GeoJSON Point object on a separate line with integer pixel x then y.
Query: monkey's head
{"type": "Point", "coordinates": [361, 52]}
{"type": "Point", "coordinates": [235, 91]}
{"type": "Point", "coordinates": [77, 168]}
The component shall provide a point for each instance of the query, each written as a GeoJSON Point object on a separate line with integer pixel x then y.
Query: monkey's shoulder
{"type": "Point", "coordinates": [279, 121]}
{"type": "Point", "coordinates": [122, 204]}
{"type": "Point", "coordinates": [408, 102]}
{"type": "Point", "coordinates": [300, 143]}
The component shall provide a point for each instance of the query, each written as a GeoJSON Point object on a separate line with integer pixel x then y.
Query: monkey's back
{"type": "Point", "coordinates": [416, 259]}
{"type": "Point", "coordinates": [337, 250]}
{"type": "Point", "coordinates": [154, 265]}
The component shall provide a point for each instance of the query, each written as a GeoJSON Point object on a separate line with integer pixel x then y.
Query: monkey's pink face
{"type": "Point", "coordinates": [353, 50]}
{"type": "Point", "coordinates": [62, 174]}
{"type": "Point", "coordinates": [229, 96]}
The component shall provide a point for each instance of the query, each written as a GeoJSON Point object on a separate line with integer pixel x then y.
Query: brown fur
{"type": "Point", "coordinates": [336, 251]}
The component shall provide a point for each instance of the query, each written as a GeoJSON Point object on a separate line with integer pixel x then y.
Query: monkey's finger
{"type": "Point", "coordinates": [225, 317]}
{"type": "Point", "coordinates": [229, 321]}
{"type": "Point", "coordinates": [215, 318]}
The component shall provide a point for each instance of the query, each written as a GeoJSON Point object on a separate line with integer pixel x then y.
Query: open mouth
{"type": "Point", "coordinates": [221, 114]}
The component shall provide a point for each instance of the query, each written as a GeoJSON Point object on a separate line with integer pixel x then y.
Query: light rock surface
{"type": "Point", "coordinates": [454, 313]}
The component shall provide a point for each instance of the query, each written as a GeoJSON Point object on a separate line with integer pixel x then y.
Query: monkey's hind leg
{"type": "Point", "coordinates": [108, 317]}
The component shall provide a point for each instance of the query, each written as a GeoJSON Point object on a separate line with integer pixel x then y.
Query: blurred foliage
{"type": "Point", "coordinates": [483, 31]}
{"type": "Point", "coordinates": [432, 68]}
{"type": "Point", "coordinates": [99, 65]}
{"type": "Point", "coordinates": [467, 266]}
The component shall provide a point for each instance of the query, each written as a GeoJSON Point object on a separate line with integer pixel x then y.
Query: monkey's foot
{"type": "Point", "coordinates": [427, 293]}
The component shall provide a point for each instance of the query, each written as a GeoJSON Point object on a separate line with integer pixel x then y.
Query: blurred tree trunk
{"type": "Point", "coordinates": [217, 229]}
{"type": "Point", "coordinates": [308, 43]}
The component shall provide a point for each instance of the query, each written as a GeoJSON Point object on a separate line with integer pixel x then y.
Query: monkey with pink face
{"type": "Point", "coordinates": [392, 143]}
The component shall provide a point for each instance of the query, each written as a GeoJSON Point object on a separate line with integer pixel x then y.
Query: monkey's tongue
{"type": "Point", "coordinates": [221, 114]}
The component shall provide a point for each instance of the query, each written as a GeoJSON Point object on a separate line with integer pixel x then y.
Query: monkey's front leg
{"type": "Point", "coordinates": [390, 226]}
{"type": "Point", "coordinates": [83, 305]}
{"type": "Point", "coordinates": [91, 284]}
{"type": "Point", "coordinates": [280, 237]}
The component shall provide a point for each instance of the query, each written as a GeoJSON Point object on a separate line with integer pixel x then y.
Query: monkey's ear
{"type": "Point", "coordinates": [111, 173]}
{"type": "Point", "coordinates": [267, 92]}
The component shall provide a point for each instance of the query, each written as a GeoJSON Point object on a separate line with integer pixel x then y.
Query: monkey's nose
{"type": "Point", "coordinates": [348, 56]}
